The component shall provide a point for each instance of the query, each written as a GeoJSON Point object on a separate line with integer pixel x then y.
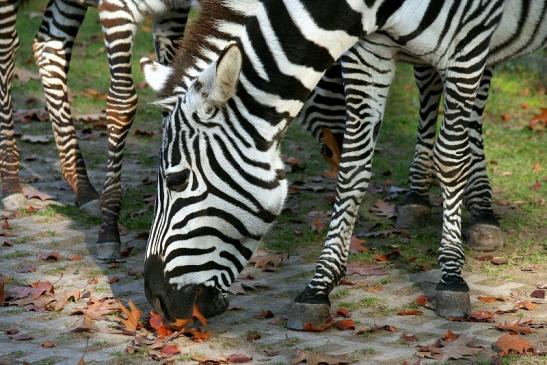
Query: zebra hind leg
{"type": "Point", "coordinates": [366, 93]}
{"type": "Point", "coordinates": [484, 232]}
{"type": "Point", "coordinates": [52, 51]}
{"type": "Point", "coordinates": [12, 191]}
{"type": "Point", "coordinates": [119, 31]}
{"type": "Point", "coordinates": [415, 209]}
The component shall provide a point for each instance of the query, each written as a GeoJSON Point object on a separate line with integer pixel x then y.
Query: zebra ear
{"type": "Point", "coordinates": [226, 76]}
{"type": "Point", "coordinates": [155, 74]}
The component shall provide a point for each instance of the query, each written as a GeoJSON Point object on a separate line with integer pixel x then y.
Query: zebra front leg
{"type": "Point", "coordinates": [367, 79]}
{"type": "Point", "coordinates": [484, 233]}
{"type": "Point", "coordinates": [119, 32]}
{"type": "Point", "coordinates": [168, 31]}
{"type": "Point", "coordinates": [52, 51]}
{"type": "Point", "coordinates": [415, 209]}
{"type": "Point", "coordinates": [12, 191]}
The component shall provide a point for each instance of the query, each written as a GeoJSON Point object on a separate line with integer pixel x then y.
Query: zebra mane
{"type": "Point", "coordinates": [212, 12]}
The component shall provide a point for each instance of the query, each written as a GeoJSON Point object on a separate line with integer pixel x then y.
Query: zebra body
{"type": "Point", "coordinates": [219, 188]}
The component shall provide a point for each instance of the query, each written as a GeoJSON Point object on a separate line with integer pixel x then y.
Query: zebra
{"type": "Point", "coordinates": [220, 184]}
{"type": "Point", "coordinates": [52, 49]}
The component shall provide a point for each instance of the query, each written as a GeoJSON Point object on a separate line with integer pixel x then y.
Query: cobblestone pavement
{"type": "Point", "coordinates": [229, 332]}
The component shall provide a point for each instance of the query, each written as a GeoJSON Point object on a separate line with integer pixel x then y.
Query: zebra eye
{"type": "Point", "coordinates": [178, 181]}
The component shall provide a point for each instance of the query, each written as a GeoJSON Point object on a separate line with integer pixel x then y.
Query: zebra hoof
{"type": "Point", "coordinates": [453, 304]}
{"type": "Point", "coordinates": [412, 215]}
{"type": "Point", "coordinates": [309, 317]}
{"type": "Point", "coordinates": [13, 202]}
{"type": "Point", "coordinates": [108, 251]}
{"type": "Point", "coordinates": [484, 237]}
{"type": "Point", "coordinates": [92, 208]}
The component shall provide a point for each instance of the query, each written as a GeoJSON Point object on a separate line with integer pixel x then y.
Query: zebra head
{"type": "Point", "coordinates": [220, 187]}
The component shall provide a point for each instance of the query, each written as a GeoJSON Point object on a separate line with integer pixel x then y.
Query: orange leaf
{"type": "Point", "coordinates": [170, 350]}
{"type": "Point", "coordinates": [487, 299]}
{"type": "Point", "coordinates": [508, 344]}
{"type": "Point", "coordinates": [409, 312]}
{"type": "Point", "coordinates": [345, 324]}
{"type": "Point", "coordinates": [422, 300]}
{"type": "Point", "coordinates": [197, 334]}
{"type": "Point", "coordinates": [526, 304]}
{"type": "Point", "coordinates": [515, 327]}
{"type": "Point", "coordinates": [157, 323]}
{"type": "Point", "coordinates": [539, 121]}
{"type": "Point", "coordinates": [133, 314]}
{"type": "Point", "coordinates": [309, 327]}
{"type": "Point", "coordinates": [450, 336]}
{"type": "Point", "coordinates": [343, 312]}
{"type": "Point", "coordinates": [481, 316]}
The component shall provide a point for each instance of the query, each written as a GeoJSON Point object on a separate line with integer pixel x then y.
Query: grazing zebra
{"type": "Point", "coordinates": [52, 50]}
{"type": "Point", "coordinates": [220, 184]}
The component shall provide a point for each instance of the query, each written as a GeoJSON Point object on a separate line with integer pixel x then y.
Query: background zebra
{"type": "Point", "coordinates": [219, 185]}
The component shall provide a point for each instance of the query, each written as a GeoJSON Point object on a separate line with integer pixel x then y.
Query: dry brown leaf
{"type": "Point", "coordinates": [539, 121]}
{"type": "Point", "coordinates": [309, 327]}
{"type": "Point", "coordinates": [481, 316]}
{"type": "Point", "coordinates": [408, 337]}
{"type": "Point", "coordinates": [133, 315]}
{"type": "Point", "coordinates": [538, 293]}
{"type": "Point", "coordinates": [317, 358]}
{"type": "Point", "coordinates": [268, 261]}
{"type": "Point", "coordinates": [75, 257]}
{"type": "Point", "coordinates": [508, 344]}
{"type": "Point", "coordinates": [526, 304]}
{"type": "Point", "coordinates": [516, 327]}
{"type": "Point", "coordinates": [422, 300]}
{"type": "Point", "coordinates": [356, 245]}
{"type": "Point", "coordinates": [343, 312]}
{"type": "Point", "coordinates": [345, 324]}
{"type": "Point", "coordinates": [450, 336]}
{"type": "Point", "coordinates": [63, 297]}
{"type": "Point", "coordinates": [409, 312]}
{"type": "Point", "coordinates": [384, 209]}
{"type": "Point", "coordinates": [48, 344]}
{"type": "Point", "coordinates": [49, 256]}
{"type": "Point", "coordinates": [487, 299]}
{"type": "Point", "coordinates": [238, 359]}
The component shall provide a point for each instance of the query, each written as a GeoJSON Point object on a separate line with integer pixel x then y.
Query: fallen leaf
{"type": "Point", "coordinates": [356, 245]}
{"type": "Point", "coordinates": [343, 312]}
{"type": "Point", "coordinates": [538, 293]}
{"type": "Point", "coordinates": [450, 336]}
{"type": "Point", "coordinates": [537, 167]}
{"type": "Point", "coordinates": [49, 256]}
{"type": "Point", "coordinates": [460, 348]}
{"type": "Point", "coordinates": [238, 358]}
{"type": "Point", "coordinates": [157, 323]}
{"type": "Point", "coordinates": [170, 350]}
{"type": "Point", "coordinates": [265, 314]}
{"type": "Point", "coordinates": [481, 316]}
{"type": "Point", "coordinates": [2, 290]}
{"type": "Point", "coordinates": [506, 117]}
{"type": "Point", "coordinates": [536, 186]}
{"type": "Point", "coordinates": [508, 344]}
{"type": "Point", "coordinates": [409, 312]}
{"type": "Point", "coordinates": [309, 327]}
{"type": "Point", "coordinates": [384, 209]}
{"type": "Point", "coordinates": [75, 257]}
{"type": "Point", "coordinates": [388, 256]}
{"type": "Point", "coordinates": [499, 260]}
{"type": "Point", "coordinates": [487, 299]}
{"type": "Point", "coordinates": [408, 337]}
{"type": "Point", "coordinates": [48, 344]}
{"type": "Point", "coordinates": [317, 358]}
{"type": "Point", "coordinates": [360, 268]}
{"type": "Point", "coordinates": [133, 315]}
{"type": "Point", "coordinates": [539, 121]}
{"type": "Point", "coordinates": [345, 324]}
{"type": "Point", "coordinates": [422, 300]}
{"type": "Point", "coordinates": [31, 193]}
{"type": "Point", "coordinates": [526, 304]}
{"type": "Point", "coordinates": [63, 297]}
{"type": "Point", "coordinates": [516, 327]}
{"type": "Point", "coordinates": [268, 261]}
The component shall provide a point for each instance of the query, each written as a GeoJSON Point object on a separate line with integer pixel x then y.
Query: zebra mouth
{"type": "Point", "coordinates": [174, 302]}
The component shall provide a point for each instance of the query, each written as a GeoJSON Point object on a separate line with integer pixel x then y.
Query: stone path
{"type": "Point", "coordinates": [229, 332]}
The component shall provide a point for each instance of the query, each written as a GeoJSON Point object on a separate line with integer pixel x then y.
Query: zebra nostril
{"type": "Point", "coordinates": [178, 181]}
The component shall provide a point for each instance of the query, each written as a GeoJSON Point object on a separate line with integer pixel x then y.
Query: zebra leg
{"type": "Point", "coordinates": [452, 158]}
{"type": "Point", "coordinates": [415, 209]}
{"type": "Point", "coordinates": [12, 191]}
{"type": "Point", "coordinates": [484, 233]}
{"type": "Point", "coordinates": [168, 31]}
{"type": "Point", "coordinates": [119, 30]}
{"type": "Point", "coordinates": [52, 51]}
{"type": "Point", "coordinates": [367, 78]}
